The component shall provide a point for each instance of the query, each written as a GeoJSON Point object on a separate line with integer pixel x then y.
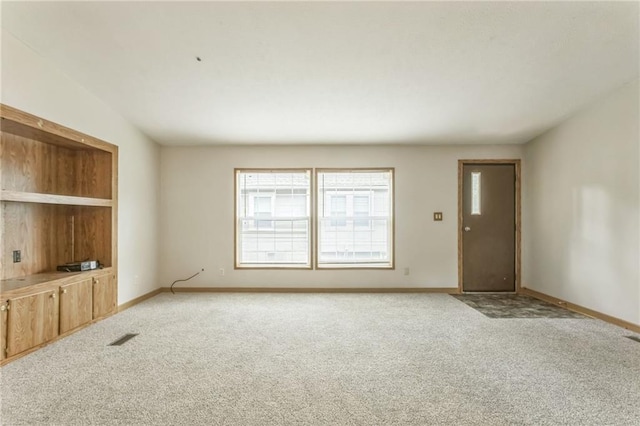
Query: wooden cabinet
{"type": "Point", "coordinates": [104, 295]}
{"type": "Point", "coordinates": [58, 204]}
{"type": "Point", "coordinates": [32, 320]}
{"type": "Point", "coordinates": [42, 307]}
{"type": "Point", "coordinates": [3, 329]}
{"type": "Point", "coordinates": [75, 304]}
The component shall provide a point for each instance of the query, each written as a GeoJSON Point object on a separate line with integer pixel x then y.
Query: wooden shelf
{"type": "Point", "coordinates": [34, 197]}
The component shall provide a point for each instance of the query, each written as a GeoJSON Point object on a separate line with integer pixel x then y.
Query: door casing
{"type": "Point", "coordinates": [516, 164]}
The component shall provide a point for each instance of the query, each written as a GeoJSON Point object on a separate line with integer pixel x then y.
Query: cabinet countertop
{"type": "Point", "coordinates": [33, 282]}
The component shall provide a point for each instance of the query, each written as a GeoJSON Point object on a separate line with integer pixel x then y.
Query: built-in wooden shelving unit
{"type": "Point", "coordinates": [58, 199]}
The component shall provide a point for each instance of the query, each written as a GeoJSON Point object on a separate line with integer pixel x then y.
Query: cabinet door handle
{"type": "Point", "coordinates": [3, 308]}
{"type": "Point", "coordinates": [64, 291]}
{"type": "Point", "coordinates": [53, 295]}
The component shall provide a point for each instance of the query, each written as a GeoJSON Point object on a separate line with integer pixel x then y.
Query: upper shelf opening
{"type": "Point", "coordinates": [42, 157]}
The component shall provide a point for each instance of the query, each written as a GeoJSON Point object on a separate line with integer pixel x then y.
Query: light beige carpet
{"type": "Point", "coordinates": [327, 359]}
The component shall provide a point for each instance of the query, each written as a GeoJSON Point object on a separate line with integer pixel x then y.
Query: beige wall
{"type": "Point", "coordinates": [32, 85]}
{"type": "Point", "coordinates": [197, 212]}
{"type": "Point", "coordinates": [581, 213]}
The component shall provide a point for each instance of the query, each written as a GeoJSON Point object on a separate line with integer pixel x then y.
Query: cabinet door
{"type": "Point", "coordinates": [104, 295]}
{"type": "Point", "coordinates": [3, 329]}
{"type": "Point", "coordinates": [75, 305]}
{"type": "Point", "coordinates": [32, 320]}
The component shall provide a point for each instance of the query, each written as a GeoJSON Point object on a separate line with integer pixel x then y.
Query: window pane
{"type": "Point", "coordinates": [361, 208]}
{"type": "Point", "coordinates": [355, 220]}
{"type": "Point", "coordinates": [262, 208]}
{"type": "Point", "coordinates": [475, 193]}
{"type": "Point", "coordinates": [339, 209]}
{"type": "Point", "coordinates": [273, 218]}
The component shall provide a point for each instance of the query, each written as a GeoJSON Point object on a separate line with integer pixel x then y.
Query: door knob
{"type": "Point", "coordinates": [467, 229]}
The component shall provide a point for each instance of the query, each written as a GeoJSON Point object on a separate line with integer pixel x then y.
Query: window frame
{"type": "Point", "coordinates": [392, 220]}
{"type": "Point", "coordinates": [236, 235]}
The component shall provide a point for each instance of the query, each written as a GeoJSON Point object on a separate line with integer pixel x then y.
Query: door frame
{"type": "Point", "coordinates": [518, 243]}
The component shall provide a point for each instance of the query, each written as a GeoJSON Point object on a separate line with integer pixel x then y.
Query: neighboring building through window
{"type": "Point", "coordinates": [262, 207]}
{"type": "Point", "coordinates": [355, 218]}
{"type": "Point", "coordinates": [362, 208]}
{"type": "Point", "coordinates": [273, 218]}
{"type": "Point", "coordinates": [338, 210]}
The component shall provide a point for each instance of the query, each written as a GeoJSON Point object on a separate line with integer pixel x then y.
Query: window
{"type": "Point", "coordinates": [475, 193]}
{"type": "Point", "coordinates": [273, 218]}
{"type": "Point", "coordinates": [354, 224]}
{"type": "Point", "coordinates": [355, 218]}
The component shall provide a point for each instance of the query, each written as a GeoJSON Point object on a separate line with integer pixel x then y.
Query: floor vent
{"type": "Point", "coordinates": [124, 339]}
{"type": "Point", "coordinates": [634, 338]}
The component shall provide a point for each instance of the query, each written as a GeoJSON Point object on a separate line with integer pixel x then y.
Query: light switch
{"type": "Point", "coordinates": [437, 216]}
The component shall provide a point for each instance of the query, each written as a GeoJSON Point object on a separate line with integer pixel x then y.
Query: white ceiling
{"type": "Point", "coordinates": [360, 72]}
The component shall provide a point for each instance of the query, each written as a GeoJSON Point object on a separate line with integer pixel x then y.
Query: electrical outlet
{"type": "Point", "coordinates": [17, 256]}
{"type": "Point", "coordinates": [406, 271]}
{"type": "Point", "coordinates": [222, 272]}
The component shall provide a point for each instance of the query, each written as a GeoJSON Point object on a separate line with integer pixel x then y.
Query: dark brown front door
{"type": "Point", "coordinates": [488, 227]}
